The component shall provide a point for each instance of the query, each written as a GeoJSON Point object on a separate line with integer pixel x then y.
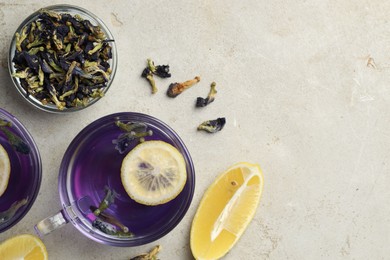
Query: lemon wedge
{"type": "Point", "coordinates": [153, 173]}
{"type": "Point", "coordinates": [225, 210]}
{"type": "Point", "coordinates": [26, 247]}
{"type": "Point", "coordinates": [5, 170]}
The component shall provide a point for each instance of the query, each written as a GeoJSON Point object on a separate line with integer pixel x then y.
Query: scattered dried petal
{"type": "Point", "coordinates": [213, 126]}
{"type": "Point", "coordinates": [152, 255]}
{"type": "Point", "coordinates": [161, 71]}
{"type": "Point", "coordinates": [202, 102]}
{"type": "Point", "coordinates": [176, 89]}
{"type": "Point", "coordinates": [147, 73]}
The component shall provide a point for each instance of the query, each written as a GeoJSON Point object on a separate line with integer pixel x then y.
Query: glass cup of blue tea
{"type": "Point", "coordinates": [23, 176]}
{"type": "Point", "coordinates": [62, 59]}
{"type": "Point", "coordinates": [90, 176]}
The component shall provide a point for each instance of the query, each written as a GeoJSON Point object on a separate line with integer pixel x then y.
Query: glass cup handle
{"type": "Point", "coordinates": [50, 224]}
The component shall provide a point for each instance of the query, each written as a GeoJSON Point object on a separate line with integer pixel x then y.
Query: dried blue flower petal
{"type": "Point", "coordinates": [16, 142]}
{"type": "Point", "coordinates": [131, 126]}
{"type": "Point", "coordinates": [109, 229]}
{"type": "Point", "coordinates": [122, 142]}
{"type": "Point", "coordinates": [133, 131]}
{"type": "Point", "coordinates": [108, 199]}
{"type": "Point", "coordinates": [202, 102]}
{"type": "Point", "coordinates": [106, 217]}
{"type": "Point", "coordinates": [161, 71]}
{"type": "Point", "coordinates": [213, 126]}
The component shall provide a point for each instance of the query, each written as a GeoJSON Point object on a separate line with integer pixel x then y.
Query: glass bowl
{"type": "Point", "coordinates": [25, 178]}
{"type": "Point", "coordinates": [74, 11]}
{"type": "Point", "coordinates": [92, 163]}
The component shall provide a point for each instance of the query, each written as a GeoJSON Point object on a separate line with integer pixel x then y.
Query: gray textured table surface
{"type": "Point", "coordinates": [305, 90]}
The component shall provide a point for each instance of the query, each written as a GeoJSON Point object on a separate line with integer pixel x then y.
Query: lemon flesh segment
{"type": "Point", "coordinates": [153, 173]}
{"type": "Point", "coordinates": [225, 210]}
{"type": "Point", "coordinates": [26, 247]}
{"type": "Point", "coordinates": [5, 170]}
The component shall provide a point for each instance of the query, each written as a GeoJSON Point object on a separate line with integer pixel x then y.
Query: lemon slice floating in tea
{"type": "Point", "coordinates": [5, 169]}
{"type": "Point", "coordinates": [153, 173]}
{"type": "Point", "coordinates": [26, 246]}
{"type": "Point", "coordinates": [225, 210]}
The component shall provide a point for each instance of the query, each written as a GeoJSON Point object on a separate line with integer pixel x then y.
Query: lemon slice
{"type": "Point", "coordinates": [225, 210]}
{"type": "Point", "coordinates": [153, 173]}
{"type": "Point", "coordinates": [5, 170]}
{"type": "Point", "coordinates": [26, 247]}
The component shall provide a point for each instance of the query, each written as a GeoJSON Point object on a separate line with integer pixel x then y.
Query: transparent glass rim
{"type": "Point", "coordinates": [36, 158]}
{"type": "Point", "coordinates": [62, 8]}
{"type": "Point", "coordinates": [63, 180]}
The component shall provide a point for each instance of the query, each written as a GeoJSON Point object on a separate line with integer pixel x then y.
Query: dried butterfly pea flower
{"type": "Point", "coordinates": [124, 140]}
{"type": "Point", "coordinates": [202, 102]}
{"type": "Point", "coordinates": [109, 229]}
{"type": "Point", "coordinates": [67, 57]}
{"type": "Point", "coordinates": [152, 255]}
{"type": "Point", "coordinates": [108, 218]}
{"type": "Point", "coordinates": [131, 126]}
{"type": "Point", "coordinates": [161, 71]}
{"type": "Point", "coordinates": [106, 222]}
{"type": "Point", "coordinates": [213, 126]}
{"type": "Point", "coordinates": [132, 131]}
{"type": "Point", "coordinates": [18, 144]}
{"type": "Point", "coordinates": [147, 73]}
{"type": "Point", "coordinates": [108, 199]}
{"type": "Point", "coordinates": [15, 141]}
{"type": "Point", "coordinates": [176, 89]}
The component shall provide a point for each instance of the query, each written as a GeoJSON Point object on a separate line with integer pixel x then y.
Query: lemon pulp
{"type": "Point", "coordinates": [5, 170]}
{"type": "Point", "coordinates": [26, 247]}
{"type": "Point", "coordinates": [153, 173]}
{"type": "Point", "coordinates": [225, 211]}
